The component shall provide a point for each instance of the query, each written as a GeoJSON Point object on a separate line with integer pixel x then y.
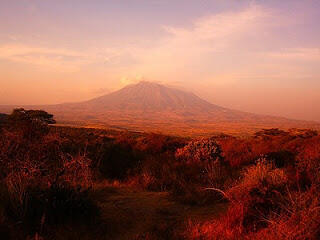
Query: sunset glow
{"type": "Point", "coordinates": [255, 56]}
{"type": "Point", "coordinates": [160, 119]}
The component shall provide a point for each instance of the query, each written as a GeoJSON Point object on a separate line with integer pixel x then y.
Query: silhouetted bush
{"type": "Point", "coordinates": [42, 184]}
{"type": "Point", "coordinates": [38, 208]}
{"type": "Point", "coordinates": [281, 158]}
{"type": "Point", "coordinates": [117, 161]}
{"type": "Point", "coordinates": [3, 120]}
{"type": "Point", "coordinates": [155, 144]}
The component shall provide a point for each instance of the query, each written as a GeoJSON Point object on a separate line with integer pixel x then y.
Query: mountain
{"type": "Point", "coordinates": [148, 106]}
{"type": "Point", "coordinates": [148, 96]}
{"type": "Point", "coordinates": [148, 100]}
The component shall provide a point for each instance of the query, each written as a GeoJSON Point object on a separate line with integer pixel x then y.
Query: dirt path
{"type": "Point", "coordinates": [133, 214]}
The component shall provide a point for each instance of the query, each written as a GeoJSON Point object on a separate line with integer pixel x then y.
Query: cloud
{"type": "Point", "coordinates": [248, 45]}
{"type": "Point", "coordinates": [223, 48]}
{"type": "Point", "coordinates": [131, 79]}
{"type": "Point", "coordinates": [178, 47]}
{"type": "Point", "coordinates": [58, 59]}
{"type": "Point", "coordinates": [67, 60]}
{"type": "Point", "coordinates": [308, 54]}
{"type": "Point", "coordinates": [204, 47]}
{"type": "Point", "coordinates": [220, 26]}
{"type": "Point", "coordinates": [119, 58]}
{"type": "Point", "coordinates": [215, 33]}
{"type": "Point", "coordinates": [13, 37]}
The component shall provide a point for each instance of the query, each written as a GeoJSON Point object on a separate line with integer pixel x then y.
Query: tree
{"type": "Point", "coordinates": [19, 115]}
{"type": "Point", "coordinates": [30, 123]}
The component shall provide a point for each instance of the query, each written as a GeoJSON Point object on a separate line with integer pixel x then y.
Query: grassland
{"type": "Point", "coordinates": [86, 183]}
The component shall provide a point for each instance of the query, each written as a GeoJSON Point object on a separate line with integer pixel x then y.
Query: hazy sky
{"type": "Point", "coordinates": [257, 56]}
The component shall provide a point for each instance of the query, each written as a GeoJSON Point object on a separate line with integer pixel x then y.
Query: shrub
{"type": "Point", "coordinates": [308, 160]}
{"type": "Point", "coordinates": [258, 192]}
{"type": "Point", "coordinates": [206, 156]}
{"type": "Point", "coordinates": [227, 227]}
{"type": "Point", "coordinates": [199, 151]}
{"type": "Point", "coordinates": [117, 161]}
{"type": "Point", "coordinates": [42, 184]}
{"type": "Point", "coordinates": [158, 173]}
{"type": "Point", "coordinates": [185, 176]}
{"type": "Point", "coordinates": [252, 200]}
{"type": "Point", "coordinates": [159, 144]}
{"type": "Point", "coordinates": [237, 152]}
{"type": "Point", "coordinates": [282, 158]}
{"type": "Point", "coordinates": [298, 219]}
{"type": "Point", "coordinates": [39, 208]}
{"type": "Point", "coordinates": [77, 171]}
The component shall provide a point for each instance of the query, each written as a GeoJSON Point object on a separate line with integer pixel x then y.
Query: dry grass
{"type": "Point", "coordinates": [150, 186]}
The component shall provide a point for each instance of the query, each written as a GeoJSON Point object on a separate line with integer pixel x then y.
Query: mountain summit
{"type": "Point", "coordinates": [151, 97]}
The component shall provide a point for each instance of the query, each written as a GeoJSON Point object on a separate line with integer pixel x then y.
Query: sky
{"type": "Point", "coordinates": [259, 56]}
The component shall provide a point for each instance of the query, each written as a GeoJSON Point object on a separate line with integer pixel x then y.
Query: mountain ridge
{"type": "Point", "coordinates": [150, 96]}
{"type": "Point", "coordinates": [149, 106]}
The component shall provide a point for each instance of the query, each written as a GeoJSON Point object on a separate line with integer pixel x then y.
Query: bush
{"type": "Point", "coordinates": [237, 152]}
{"type": "Point", "coordinates": [77, 171]}
{"type": "Point", "coordinates": [253, 199]}
{"type": "Point", "coordinates": [227, 227]}
{"type": "Point", "coordinates": [258, 192]}
{"type": "Point", "coordinates": [38, 209]}
{"type": "Point", "coordinates": [308, 160]}
{"type": "Point", "coordinates": [186, 175]}
{"type": "Point", "coordinates": [117, 160]}
{"type": "Point", "coordinates": [200, 151]}
{"type": "Point", "coordinates": [42, 184]}
{"type": "Point", "coordinates": [298, 219]}
{"type": "Point", "coordinates": [158, 144]}
{"type": "Point", "coordinates": [158, 173]}
{"type": "Point", "coordinates": [282, 158]}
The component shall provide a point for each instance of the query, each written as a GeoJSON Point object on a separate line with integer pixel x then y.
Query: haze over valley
{"type": "Point", "coordinates": [152, 107]}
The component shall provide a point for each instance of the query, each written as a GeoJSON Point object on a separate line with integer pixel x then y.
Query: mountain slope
{"type": "Point", "coordinates": [153, 100]}
{"type": "Point", "coordinates": [151, 97]}
{"type": "Point", "coordinates": [150, 106]}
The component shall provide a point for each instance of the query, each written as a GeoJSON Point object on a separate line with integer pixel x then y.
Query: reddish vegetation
{"type": "Point", "coordinates": [50, 176]}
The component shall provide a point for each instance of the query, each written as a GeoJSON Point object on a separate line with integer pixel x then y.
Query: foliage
{"type": "Point", "coordinates": [30, 123]}
{"type": "Point", "coordinates": [20, 116]}
{"type": "Point", "coordinates": [199, 151]}
{"type": "Point", "coordinates": [41, 184]}
{"type": "Point", "coordinates": [37, 208]}
{"type": "Point", "coordinates": [270, 180]}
